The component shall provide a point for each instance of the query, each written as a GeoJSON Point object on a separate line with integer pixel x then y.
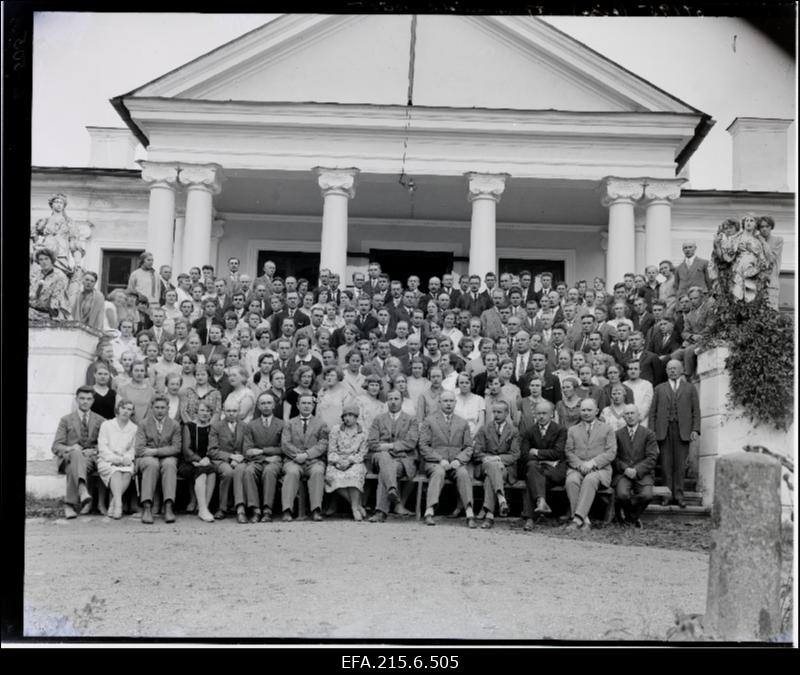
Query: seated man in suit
{"type": "Point", "coordinates": [542, 459]}
{"type": "Point", "coordinates": [392, 442]}
{"type": "Point", "coordinates": [158, 444]}
{"type": "Point", "coordinates": [305, 445]}
{"type": "Point", "coordinates": [590, 450]}
{"type": "Point", "coordinates": [634, 465]}
{"type": "Point", "coordinates": [446, 447]}
{"type": "Point", "coordinates": [496, 453]}
{"type": "Point", "coordinates": [225, 441]}
{"type": "Point", "coordinates": [75, 446]}
{"type": "Point", "coordinates": [263, 461]}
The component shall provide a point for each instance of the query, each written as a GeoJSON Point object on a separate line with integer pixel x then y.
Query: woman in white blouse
{"type": "Point", "coordinates": [468, 405]}
{"type": "Point", "coordinates": [115, 454]}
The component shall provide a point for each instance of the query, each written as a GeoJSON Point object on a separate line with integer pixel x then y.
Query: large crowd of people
{"type": "Point", "coordinates": [246, 385]}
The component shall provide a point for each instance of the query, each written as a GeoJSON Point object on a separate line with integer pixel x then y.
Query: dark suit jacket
{"type": "Point", "coordinates": [685, 277]}
{"type": "Point", "coordinates": [551, 447]}
{"type": "Point", "coordinates": [641, 453]}
{"type": "Point", "coordinates": [643, 322]}
{"type": "Point", "coordinates": [651, 368]}
{"type": "Point", "coordinates": [403, 435]}
{"type": "Point", "coordinates": [164, 286]}
{"type": "Point", "coordinates": [621, 356]}
{"type": "Point", "coordinates": [438, 442]}
{"type": "Point", "coordinates": [551, 386]}
{"type": "Point", "coordinates": [199, 326]}
{"type": "Point", "coordinates": [366, 324]}
{"type": "Point", "coordinates": [688, 407]}
{"type": "Point", "coordinates": [168, 442]}
{"type": "Point", "coordinates": [405, 363]}
{"type": "Point", "coordinates": [657, 346]}
{"type": "Point", "coordinates": [276, 320]}
{"type": "Point", "coordinates": [506, 446]}
{"type": "Point", "coordinates": [268, 439]}
{"type": "Point", "coordinates": [165, 336]}
{"type": "Point", "coordinates": [455, 294]}
{"type": "Point", "coordinates": [69, 433]}
{"type": "Point", "coordinates": [222, 443]}
{"type": "Point", "coordinates": [314, 442]}
{"type": "Point", "coordinates": [475, 307]}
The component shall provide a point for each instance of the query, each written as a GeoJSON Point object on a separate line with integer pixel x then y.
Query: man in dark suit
{"type": "Point", "coordinates": [542, 459]}
{"type": "Point", "coordinates": [385, 325]}
{"type": "Point", "coordinates": [75, 446]}
{"type": "Point", "coordinates": [414, 353]}
{"type": "Point", "coordinates": [693, 271]}
{"type": "Point", "coordinates": [445, 443]}
{"type": "Point", "coordinates": [157, 333]}
{"type": "Point", "coordinates": [642, 319]}
{"type": "Point", "coordinates": [447, 287]}
{"type": "Point", "coordinates": [621, 347]}
{"type": "Point", "coordinates": [210, 317]}
{"type": "Point", "coordinates": [225, 442]}
{"type": "Point", "coordinates": [637, 453]}
{"type": "Point", "coordinates": [365, 320]}
{"type": "Point", "coordinates": [650, 366]}
{"type": "Point", "coordinates": [158, 444]}
{"type": "Point", "coordinates": [164, 283]}
{"type": "Point", "coordinates": [551, 387]}
{"type": "Point", "coordinates": [372, 285]}
{"type": "Point", "coordinates": [664, 340]}
{"type": "Point", "coordinates": [263, 459]}
{"type": "Point", "coordinates": [473, 301]}
{"type": "Point", "coordinates": [304, 442]}
{"type": "Point", "coordinates": [291, 312]}
{"type": "Point", "coordinates": [546, 279]}
{"type": "Point", "coordinates": [392, 442]}
{"type": "Point", "coordinates": [496, 453]}
{"type": "Point", "coordinates": [675, 418]}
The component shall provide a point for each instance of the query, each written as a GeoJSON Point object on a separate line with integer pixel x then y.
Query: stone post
{"type": "Point", "coordinates": [485, 190]}
{"type": "Point", "coordinates": [338, 187]}
{"type": "Point", "coordinates": [620, 197]}
{"type": "Point", "coordinates": [744, 575]}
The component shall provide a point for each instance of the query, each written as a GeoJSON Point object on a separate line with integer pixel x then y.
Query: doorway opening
{"type": "Point", "coordinates": [535, 267]}
{"type": "Point", "coordinates": [296, 264]}
{"type": "Point", "coordinates": [402, 264]}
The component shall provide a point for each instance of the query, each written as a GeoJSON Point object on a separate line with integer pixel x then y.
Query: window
{"type": "Point", "coordinates": [117, 268]}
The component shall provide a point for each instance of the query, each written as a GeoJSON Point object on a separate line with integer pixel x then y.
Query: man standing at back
{"type": "Point", "coordinates": [693, 271]}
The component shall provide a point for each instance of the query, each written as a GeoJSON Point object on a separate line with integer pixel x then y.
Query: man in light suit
{"type": "Point", "coordinates": [263, 459]}
{"type": "Point", "coordinates": [225, 442]}
{"type": "Point", "coordinates": [496, 453]}
{"type": "Point", "coordinates": [590, 450]}
{"type": "Point", "coordinates": [75, 446]}
{"type": "Point", "coordinates": [392, 443]}
{"type": "Point", "coordinates": [492, 324]}
{"type": "Point", "coordinates": [304, 442]}
{"type": "Point", "coordinates": [637, 453]}
{"type": "Point", "coordinates": [693, 271]}
{"type": "Point", "coordinates": [542, 459]}
{"type": "Point", "coordinates": [675, 419]}
{"type": "Point", "coordinates": [446, 447]}
{"type": "Point", "coordinates": [158, 444]}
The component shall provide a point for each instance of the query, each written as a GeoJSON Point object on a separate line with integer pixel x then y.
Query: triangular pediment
{"type": "Point", "coordinates": [518, 63]}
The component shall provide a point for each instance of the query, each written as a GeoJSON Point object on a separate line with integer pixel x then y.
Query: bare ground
{"type": "Point", "coordinates": [340, 579]}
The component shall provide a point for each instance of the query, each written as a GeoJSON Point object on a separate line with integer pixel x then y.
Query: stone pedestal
{"type": "Point", "coordinates": [58, 356]}
{"type": "Point", "coordinates": [725, 429]}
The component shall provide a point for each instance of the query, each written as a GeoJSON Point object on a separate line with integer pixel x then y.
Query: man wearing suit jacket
{"type": "Point", "coordinates": [392, 442]}
{"type": "Point", "coordinates": [664, 340]}
{"type": "Point", "coordinates": [590, 450]}
{"type": "Point", "coordinates": [225, 443]}
{"type": "Point", "coordinates": [365, 320]}
{"type": "Point", "coordinates": [75, 446]}
{"type": "Point", "coordinates": [446, 447]}
{"type": "Point", "coordinates": [164, 283]}
{"type": "Point", "coordinates": [642, 319]}
{"type": "Point", "coordinates": [650, 366]}
{"type": "Point", "coordinates": [304, 442]}
{"type": "Point", "coordinates": [551, 387]}
{"type": "Point", "coordinates": [291, 312]}
{"type": "Point", "coordinates": [621, 348]}
{"type": "Point", "coordinates": [496, 453]}
{"type": "Point", "coordinates": [474, 301]}
{"type": "Point", "coordinates": [211, 316]}
{"type": "Point", "coordinates": [492, 324]}
{"type": "Point", "coordinates": [675, 419]}
{"type": "Point", "coordinates": [542, 459]}
{"type": "Point", "coordinates": [262, 459]}
{"type": "Point", "coordinates": [693, 271]}
{"type": "Point", "coordinates": [157, 333]}
{"type": "Point", "coordinates": [372, 285]}
{"type": "Point", "coordinates": [414, 352]}
{"type": "Point", "coordinates": [447, 287]}
{"type": "Point", "coordinates": [637, 453]}
{"type": "Point", "coordinates": [158, 444]}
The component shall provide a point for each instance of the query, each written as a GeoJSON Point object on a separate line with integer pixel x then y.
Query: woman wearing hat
{"type": "Point", "coordinates": [347, 447]}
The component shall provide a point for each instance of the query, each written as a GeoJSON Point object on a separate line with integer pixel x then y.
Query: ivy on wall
{"type": "Point", "coordinates": [761, 361]}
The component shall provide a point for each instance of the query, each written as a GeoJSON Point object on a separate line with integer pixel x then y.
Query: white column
{"type": "Point", "coordinates": [639, 246]}
{"type": "Point", "coordinates": [620, 196]}
{"type": "Point", "coordinates": [658, 223]}
{"type": "Point", "coordinates": [177, 253]}
{"type": "Point", "coordinates": [162, 178]}
{"type": "Point", "coordinates": [485, 190]}
{"type": "Point", "coordinates": [202, 182]}
{"type": "Point", "coordinates": [338, 187]}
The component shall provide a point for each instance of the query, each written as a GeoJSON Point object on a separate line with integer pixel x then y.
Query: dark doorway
{"type": "Point", "coordinates": [402, 264]}
{"type": "Point", "coordinates": [117, 267]}
{"type": "Point", "coordinates": [516, 265]}
{"type": "Point", "coordinates": [291, 264]}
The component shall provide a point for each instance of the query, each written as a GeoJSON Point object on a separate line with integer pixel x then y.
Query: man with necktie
{"type": "Point", "coordinates": [225, 441]}
{"type": "Point", "coordinates": [263, 459]}
{"type": "Point", "coordinates": [637, 453]}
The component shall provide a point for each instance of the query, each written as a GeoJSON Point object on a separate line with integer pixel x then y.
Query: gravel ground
{"type": "Point", "coordinates": [340, 579]}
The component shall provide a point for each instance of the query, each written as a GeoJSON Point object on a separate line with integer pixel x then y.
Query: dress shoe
{"type": "Point", "coordinates": [147, 515]}
{"type": "Point", "coordinates": [457, 513]}
{"type": "Point", "coordinates": [575, 524]}
{"type": "Point", "coordinates": [69, 512]}
{"type": "Point", "coordinates": [528, 526]}
{"type": "Point", "coordinates": [287, 517]}
{"type": "Point", "coordinates": [542, 506]}
{"type": "Point", "coordinates": [504, 510]}
{"type": "Point", "coordinates": [488, 524]}
{"type": "Point", "coordinates": [219, 515]}
{"type": "Point", "coordinates": [378, 517]}
{"type": "Point", "coordinates": [206, 516]}
{"type": "Point", "coordinates": [316, 516]}
{"type": "Point", "coordinates": [240, 515]}
{"type": "Point", "coordinates": [472, 523]}
{"type": "Point", "coordinates": [266, 516]}
{"type": "Point", "coordinates": [429, 520]}
{"type": "Point", "coordinates": [482, 514]}
{"type": "Point", "coordinates": [169, 514]}
{"type": "Point", "coordinates": [255, 516]}
{"type": "Point", "coordinates": [401, 510]}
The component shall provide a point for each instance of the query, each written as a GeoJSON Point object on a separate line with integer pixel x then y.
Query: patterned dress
{"type": "Point", "coordinates": [48, 296]}
{"type": "Point", "coordinates": [346, 443]}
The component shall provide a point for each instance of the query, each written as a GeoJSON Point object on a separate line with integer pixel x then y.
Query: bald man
{"type": "Point", "coordinates": [637, 453]}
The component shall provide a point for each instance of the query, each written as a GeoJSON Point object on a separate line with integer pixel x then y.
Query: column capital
{"type": "Point", "coordinates": [486, 185]}
{"type": "Point", "coordinates": [622, 189]}
{"type": "Point", "coordinates": [161, 174]}
{"type": "Point", "coordinates": [206, 176]}
{"type": "Point", "coordinates": [337, 181]}
{"type": "Point", "coordinates": [663, 189]}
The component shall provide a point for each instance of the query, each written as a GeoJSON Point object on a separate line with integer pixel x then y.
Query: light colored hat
{"type": "Point", "coordinates": [351, 409]}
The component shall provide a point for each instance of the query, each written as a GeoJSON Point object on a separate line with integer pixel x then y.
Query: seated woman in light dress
{"type": "Point", "coordinates": [116, 452]}
{"type": "Point", "coordinates": [345, 471]}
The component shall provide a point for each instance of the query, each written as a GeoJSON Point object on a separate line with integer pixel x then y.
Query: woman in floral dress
{"type": "Point", "coordinates": [347, 447]}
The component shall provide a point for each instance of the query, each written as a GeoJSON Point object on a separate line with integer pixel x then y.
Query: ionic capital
{"type": "Point", "coordinates": [206, 176]}
{"type": "Point", "coordinates": [159, 174]}
{"type": "Point", "coordinates": [337, 181]}
{"type": "Point", "coordinates": [486, 185]}
{"type": "Point", "coordinates": [622, 189]}
{"type": "Point", "coordinates": [663, 189]}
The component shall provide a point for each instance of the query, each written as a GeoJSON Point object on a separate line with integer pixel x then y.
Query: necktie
{"type": "Point", "coordinates": [305, 425]}
{"type": "Point", "coordinates": [588, 430]}
{"type": "Point", "coordinates": [520, 369]}
{"type": "Point", "coordinates": [631, 432]}
{"type": "Point", "coordinates": [543, 431]}
{"type": "Point", "coordinates": [232, 427]}
{"type": "Point", "coordinates": [499, 428]}
{"type": "Point", "coordinates": [674, 384]}
{"type": "Point", "coordinates": [85, 429]}
{"type": "Point", "coordinates": [160, 427]}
